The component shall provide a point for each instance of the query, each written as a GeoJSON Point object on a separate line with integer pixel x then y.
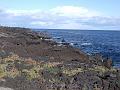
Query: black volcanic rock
{"type": "Point", "coordinates": [27, 43]}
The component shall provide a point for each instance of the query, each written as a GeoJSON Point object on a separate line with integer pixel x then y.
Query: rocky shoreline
{"type": "Point", "coordinates": [31, 60]}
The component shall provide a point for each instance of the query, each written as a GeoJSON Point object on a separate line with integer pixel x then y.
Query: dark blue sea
{"type": "Point", "coordinates": [107, 43]}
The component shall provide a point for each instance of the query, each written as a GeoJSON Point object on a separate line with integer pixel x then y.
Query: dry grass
{"type": "Point", "coordinates": [102, 69]}
{"type": "Point", "coordinates": [72, 72]}
{"type": "Point", "coordinates": [12, 57]}
{"type": "Point", "coordinates": [32, 73]}
{"type": "Point", "coordinates": [2, 72]}
{"type": "Point", "coordinates": [51, 64]}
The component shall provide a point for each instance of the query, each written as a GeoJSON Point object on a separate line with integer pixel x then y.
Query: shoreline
{"type": "Point", "coordinates": [45, 37]}
{"type": "Point", "coordinates": [32, 61]}
{"type": "Point", "coordinates": [78, 45]}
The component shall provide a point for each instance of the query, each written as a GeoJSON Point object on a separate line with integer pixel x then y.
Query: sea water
{"type": "Point", "coordinates": [105, 42]}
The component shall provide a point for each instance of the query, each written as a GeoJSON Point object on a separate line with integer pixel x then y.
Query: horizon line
{"type": "Point", "coordinates": [76, 29]}
{"type": "Point", "coordinates": [63, 28]}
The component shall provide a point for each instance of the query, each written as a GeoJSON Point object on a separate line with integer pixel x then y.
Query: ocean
{"type": "Point", "coordinates": [105, 42]}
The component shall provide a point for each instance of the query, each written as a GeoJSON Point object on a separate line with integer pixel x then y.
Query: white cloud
{"type": "Point", "coordinates": [41, 23]}
{"type": "Point", "coordinates": [22, 12]}
{"type": "Point", "coordinates": [70, 17]}
{"type": "Point", "coordinates": [73, 11]}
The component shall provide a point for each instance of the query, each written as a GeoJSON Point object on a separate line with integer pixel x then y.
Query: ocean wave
{"type": "Point", "coordinates": [86, 44]}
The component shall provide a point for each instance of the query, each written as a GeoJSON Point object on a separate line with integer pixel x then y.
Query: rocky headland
{"type": "Point", "coordinates": [32, 60]}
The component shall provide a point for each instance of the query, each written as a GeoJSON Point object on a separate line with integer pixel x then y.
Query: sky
{"type": "Point", "coordinates": [61, 14]}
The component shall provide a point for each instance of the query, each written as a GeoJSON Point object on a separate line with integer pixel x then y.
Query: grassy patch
{"type": "Point", "coordinates": [71, 72]}
{"type": "Point", "coordinates": [2, 72]}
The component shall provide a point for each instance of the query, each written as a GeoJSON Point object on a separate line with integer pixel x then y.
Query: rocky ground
{"type": "Point", "coordinates": [33, 61]}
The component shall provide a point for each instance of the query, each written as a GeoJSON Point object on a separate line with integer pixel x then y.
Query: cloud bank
{"type": "Point", "coordinates": [62, 17]}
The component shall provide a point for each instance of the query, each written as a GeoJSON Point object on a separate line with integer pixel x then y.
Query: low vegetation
{"type": "Point", "coordinates": [13, 66]}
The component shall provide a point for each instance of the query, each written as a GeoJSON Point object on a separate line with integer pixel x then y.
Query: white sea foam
{"type": "Point", "coordinates": [86, 44]}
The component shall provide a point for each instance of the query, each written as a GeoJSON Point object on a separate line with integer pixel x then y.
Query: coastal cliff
{"type": "Point", "coordinates": [32, 60]}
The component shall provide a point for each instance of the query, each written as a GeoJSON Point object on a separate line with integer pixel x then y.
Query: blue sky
{"type": "Point", "coordinates": [62, 14]}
